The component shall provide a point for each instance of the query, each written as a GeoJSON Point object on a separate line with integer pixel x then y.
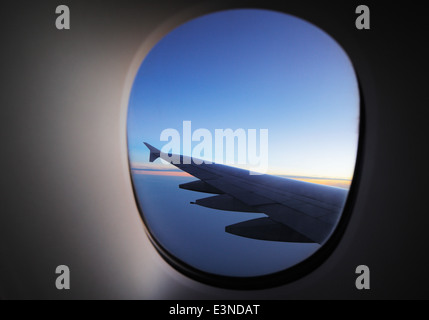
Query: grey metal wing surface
{"type": "Point", "coordinates": [296, 211]}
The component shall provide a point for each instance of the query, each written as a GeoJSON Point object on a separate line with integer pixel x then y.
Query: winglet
{"type": "Point", "coordinates": [154, 152]}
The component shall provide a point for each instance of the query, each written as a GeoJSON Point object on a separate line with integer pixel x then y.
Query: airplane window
{"type": "Point", "coordinates": [243, 130]}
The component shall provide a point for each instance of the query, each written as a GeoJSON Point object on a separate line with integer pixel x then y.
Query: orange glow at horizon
{"type": "Point", "coordinates": [162, 173]}
{"type": "Point", "coordinates": [341, 183]}
{"type": "Point", "coordinates": [327, 182]}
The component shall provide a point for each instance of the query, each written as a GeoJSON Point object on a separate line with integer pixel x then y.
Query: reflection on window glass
{"type": "Point", "coordinates": [242, 130]}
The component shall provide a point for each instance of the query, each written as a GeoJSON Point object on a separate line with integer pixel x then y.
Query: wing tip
{"type": "Point", "coordinates": [154, 152]}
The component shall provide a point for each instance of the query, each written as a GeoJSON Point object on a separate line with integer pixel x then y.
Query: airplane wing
{"type": "Point", "coordinates": [295, 211]}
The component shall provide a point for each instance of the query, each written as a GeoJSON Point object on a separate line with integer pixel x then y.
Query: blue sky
{"type": "Point", "coordinates": [252, 69]}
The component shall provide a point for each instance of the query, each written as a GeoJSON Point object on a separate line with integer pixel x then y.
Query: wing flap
{"type": "Point", "coordinates": [266, 229]}
{"type": "Point", "coordinates": [314, 228]}
{"type": "Point", "coordinates": [199, 186]}
{"type": "Point", "coordinates": [225, 202]}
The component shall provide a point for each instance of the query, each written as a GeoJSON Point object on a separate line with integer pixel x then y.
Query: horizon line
{"type": "Point", "coordinates": [335, 182]}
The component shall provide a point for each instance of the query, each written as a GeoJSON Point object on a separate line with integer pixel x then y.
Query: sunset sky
{"type": "Point", "coordinates": [341, 183]}
{"type": "Point", "coordinates": [251, 69]}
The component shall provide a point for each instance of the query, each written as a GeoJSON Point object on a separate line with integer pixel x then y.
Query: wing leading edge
{"type": "Point", "coordinates": [296, 211]}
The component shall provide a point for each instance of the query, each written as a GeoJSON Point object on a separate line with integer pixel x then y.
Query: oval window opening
{"type": "Point", "coordinates": [243, 129]}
